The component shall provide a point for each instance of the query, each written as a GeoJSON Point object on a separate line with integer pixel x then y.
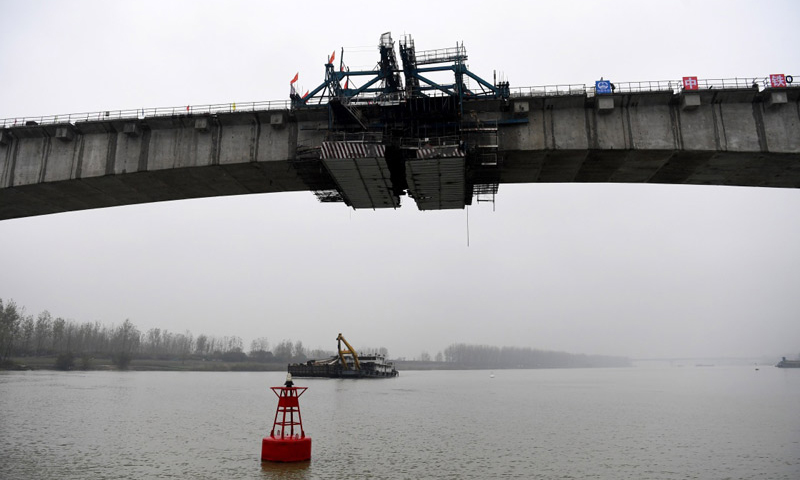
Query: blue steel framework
{"type": "Point", "coordinates": [384, 83]}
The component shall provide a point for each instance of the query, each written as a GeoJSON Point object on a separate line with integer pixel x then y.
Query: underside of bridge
{"type": "Point", "coordinates": [444, 183]}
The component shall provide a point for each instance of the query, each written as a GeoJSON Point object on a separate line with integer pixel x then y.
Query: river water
{"type": "Point", "coordinates": [627, 423]}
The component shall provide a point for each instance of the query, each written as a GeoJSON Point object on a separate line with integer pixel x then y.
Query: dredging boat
{"type": "Point", "coordinates": [346, 364]}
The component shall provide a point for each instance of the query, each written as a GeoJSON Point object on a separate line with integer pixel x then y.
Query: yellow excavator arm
{"type": "Point", "coordinates": [350, 351]}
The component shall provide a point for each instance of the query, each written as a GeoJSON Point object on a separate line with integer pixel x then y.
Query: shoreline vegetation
{"type": "Point", "coordinates": [151, 365]}
{"type": "Point", "coordinates": [47, 343]}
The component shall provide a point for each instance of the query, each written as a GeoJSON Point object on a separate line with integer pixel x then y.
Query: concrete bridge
{"type": "Point", "coordinates": [352, 153]}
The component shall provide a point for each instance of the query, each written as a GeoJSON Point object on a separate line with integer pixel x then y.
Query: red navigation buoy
{"type": "Point", "coordinates": [287, 442]}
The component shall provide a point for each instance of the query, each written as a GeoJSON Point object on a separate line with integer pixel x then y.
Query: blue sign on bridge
{"type": "Point", "coordinates": [602, 86]}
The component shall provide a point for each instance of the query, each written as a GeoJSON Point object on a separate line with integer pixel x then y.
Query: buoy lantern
{"type": "Point", "coordinates": [287, 441]}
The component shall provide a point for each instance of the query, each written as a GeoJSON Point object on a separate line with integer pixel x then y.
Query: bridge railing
{"type": "Point", "coordinates": [706, 84]}
{"type": "Point", "coordinates": [549, 90]}
{"type": "Point", "coordinates": [644, 86]}
{"type": "Point", "coordinates": [141, 113]}
{"type": "Point", "coordinates": [675, 86]}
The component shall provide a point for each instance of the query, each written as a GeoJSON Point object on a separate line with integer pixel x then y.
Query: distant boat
{"type": "Point", "coordinates": [491, 375]}
{"type": "Point", "coordinates": [788, 363]}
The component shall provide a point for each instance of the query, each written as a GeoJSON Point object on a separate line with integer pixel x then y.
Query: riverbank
{"type": "Point", "coordinates": [195, 365]}
{"type": "Point", "coordinates": [49, 363]}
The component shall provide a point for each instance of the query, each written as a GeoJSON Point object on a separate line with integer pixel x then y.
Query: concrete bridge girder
{"type": "Point", "coordinates": [652, 166]}
{"type": "Point", "coordinates": [717, 137]}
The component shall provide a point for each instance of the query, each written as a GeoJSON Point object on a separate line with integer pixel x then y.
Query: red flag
{"type": "Point", "coordinates": [306, 94]}
{"type": "Point", "coordinates": [295, 78]}
{"type": "Point", "coordinates": [332, 57]}
{"type": "Point", "coordinates": [346, 83]}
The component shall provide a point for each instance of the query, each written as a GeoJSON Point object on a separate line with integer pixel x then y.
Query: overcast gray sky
{"type": "Point", "coordinates": [635, 270]}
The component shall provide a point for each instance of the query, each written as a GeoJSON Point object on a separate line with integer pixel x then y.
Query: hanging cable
{"type": "Point", "coordinates": [467, 209]}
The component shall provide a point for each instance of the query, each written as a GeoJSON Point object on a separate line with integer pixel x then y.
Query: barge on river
{"type": "Point", "coordinates": [788, 363]}
{"type": "Point", "coordinates": [347, 364]}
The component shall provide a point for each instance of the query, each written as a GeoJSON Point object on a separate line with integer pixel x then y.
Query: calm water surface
{"type": "Point", "coordinates": [633, 423]}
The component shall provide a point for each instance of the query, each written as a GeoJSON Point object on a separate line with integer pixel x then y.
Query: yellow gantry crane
{"type": "Point", "coordinates": [350, 351]}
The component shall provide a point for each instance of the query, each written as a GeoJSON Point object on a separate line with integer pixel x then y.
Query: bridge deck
{"type": "Point", "coordinates": [742, 137]}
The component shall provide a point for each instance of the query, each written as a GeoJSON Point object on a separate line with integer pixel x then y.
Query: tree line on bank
{"type": "Point", "coordinates": [76, 345]}
{"type": "Point", "coordinates": [486, 356]}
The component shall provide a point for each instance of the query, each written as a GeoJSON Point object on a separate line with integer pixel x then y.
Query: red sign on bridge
{"type": "Point", "coordinates": [690, 83]}
{"type": "Point", "coordinates": [777, 80]}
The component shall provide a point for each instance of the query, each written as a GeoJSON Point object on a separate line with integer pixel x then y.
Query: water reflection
{"type": "Point", "coordinates": [289, 470]}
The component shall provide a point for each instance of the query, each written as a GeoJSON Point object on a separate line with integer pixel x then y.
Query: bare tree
{"type": "Point", "coordinates": [27, 329]}
{"type": "Point", "coordinates": [125, 344]}
{"type": "Point", "coordinates": [10, 318]}
{"type": "Point", "coordinates": [201, 345]}
{"type": "Point", "coordinates": [58, 334]}
{"type": "Point", "coordinates": [283, 351]}
{"type": "Point", "coordinates": [43, 332]}
{"type": "Point", "coordinates": [185, 344]}
{"type": "Point", "coordinates": [260, 344]}
{"type": "Point", "coordinates": [153, 341]}
{"type": "Point", "coordinates": [259, 350]}
{"type": "Point", "coordinates": [299, 352]}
